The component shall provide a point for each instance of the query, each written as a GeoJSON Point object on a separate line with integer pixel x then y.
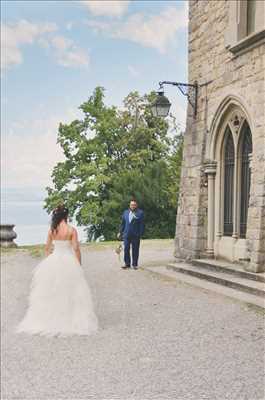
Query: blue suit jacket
{"type": "Point", "coordinates": [135, 227]}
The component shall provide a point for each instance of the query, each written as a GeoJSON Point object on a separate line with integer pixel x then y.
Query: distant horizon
{"type": "Point", "coordinates": [30, 219]}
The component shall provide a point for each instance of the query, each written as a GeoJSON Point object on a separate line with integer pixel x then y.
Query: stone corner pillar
{"type": "Point", "coordinates": [209, 168]}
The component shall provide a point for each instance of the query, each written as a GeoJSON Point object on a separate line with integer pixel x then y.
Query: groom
{"type": "Point", "coordinates": [131, 230]}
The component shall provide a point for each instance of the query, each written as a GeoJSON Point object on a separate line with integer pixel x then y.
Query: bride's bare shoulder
{"type": "Point", "coordinates": [72, 229]}
{"type": "Point", "coordinates": [50, 236]}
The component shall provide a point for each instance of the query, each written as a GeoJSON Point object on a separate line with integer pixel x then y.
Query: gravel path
{"type": "Point", "coordinates": [158, 339]}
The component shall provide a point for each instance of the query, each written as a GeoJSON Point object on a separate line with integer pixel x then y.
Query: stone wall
{"type": "Point", "coordinates": [227, 74]}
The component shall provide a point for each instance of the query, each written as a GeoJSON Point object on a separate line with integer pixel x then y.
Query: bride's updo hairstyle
{"type": "Point", "coordinates": [59, 213]}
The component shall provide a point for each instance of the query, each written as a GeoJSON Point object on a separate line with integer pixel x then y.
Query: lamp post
{"type": "Point", "coordinates": [161, 106]}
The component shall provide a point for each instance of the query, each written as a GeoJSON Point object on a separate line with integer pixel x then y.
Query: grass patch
{"type": "Point", "coordinates": [38, 250]}
{"type": "Point", "coordinates": [7, 250]}
{"type": "Point", "coordinates": [144, 242]}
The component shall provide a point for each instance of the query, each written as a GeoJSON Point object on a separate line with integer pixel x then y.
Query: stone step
{"type": "Point", "coordinates": [233, 269]}
{"type": "Point", "coordinates": [222, 278]}
{"type": "Point", "coordinates": [227, 291]}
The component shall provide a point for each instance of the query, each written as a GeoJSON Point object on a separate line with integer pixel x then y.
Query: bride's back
{"type": "Point", "coordinates": [63, 232]}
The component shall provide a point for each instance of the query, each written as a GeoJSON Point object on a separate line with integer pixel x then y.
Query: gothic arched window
{"type": "Point", "coordinates": [245, 151]}
{"type": "Point", "coordinates": [229, 166]}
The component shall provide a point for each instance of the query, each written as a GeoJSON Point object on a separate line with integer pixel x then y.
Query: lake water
{"type": "Point", "coordinates": [30, 219]}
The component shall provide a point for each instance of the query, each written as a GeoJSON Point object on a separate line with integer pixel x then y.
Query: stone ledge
{"type": "Point", "coordinates": [248, 43]}
{"type": "Point", "coordinates": [226, 291]}
{"type": "Point", "coordinates": [223, 278]}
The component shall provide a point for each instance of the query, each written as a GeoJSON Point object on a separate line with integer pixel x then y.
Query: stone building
{"type": "Point", "coordinates": [221, 211]}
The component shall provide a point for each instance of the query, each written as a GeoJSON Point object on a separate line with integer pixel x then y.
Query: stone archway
{"type": "Point", "coordinates": [227, 171]}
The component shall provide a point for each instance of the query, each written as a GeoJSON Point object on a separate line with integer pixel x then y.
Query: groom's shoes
{"type": "Point", "coordinates": [135, 266]}
{"type": "Point", "coordinates": [125, 266]}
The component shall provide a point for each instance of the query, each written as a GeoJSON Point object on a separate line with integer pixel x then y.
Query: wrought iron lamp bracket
{"type": "Point", "coordinates": [187, 89]}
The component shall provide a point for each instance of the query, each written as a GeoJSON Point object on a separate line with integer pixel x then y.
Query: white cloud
{"type": "Point", "coordinates": [61, 43]}
{"type": "Point", "coordinates": [133, 71]}
{"type": "Point", "coordinates": [73, 58]}
{"type": "Point", "coordinates": [101, 26]}
{"type": "Point", "coordinates": [110, 8]}
{"type": "Point", "coordinates": [68, 54]}
{"type": "Point", "coordinates": [69, 26]}
{"type": "Point", "coordinates": [27, 159]}
{"type": "Point", "coordinates": [14, 36]}
{"type": "Point", "coordinates": [43, 42]}
{"type": "Point", "coordinates": [156, 31]}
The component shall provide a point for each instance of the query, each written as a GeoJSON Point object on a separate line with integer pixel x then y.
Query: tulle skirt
{"type": "Point", "coordinates": [60, 301]}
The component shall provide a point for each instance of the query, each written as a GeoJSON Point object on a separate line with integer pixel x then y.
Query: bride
{"type": "Point", "coordinates": [60, 301]}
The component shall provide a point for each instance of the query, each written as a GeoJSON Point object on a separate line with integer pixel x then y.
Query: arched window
{"type": "Point", "coordinates": [245, 151]}
{"type": "Point", "coordinates": [229, 166]}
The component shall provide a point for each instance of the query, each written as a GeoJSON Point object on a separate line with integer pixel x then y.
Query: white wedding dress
{"type": "Point", "coordinates": [60, 302]}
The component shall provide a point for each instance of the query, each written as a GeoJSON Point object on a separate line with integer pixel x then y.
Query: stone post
{"type": "Point", "coordinates": [7, 235]}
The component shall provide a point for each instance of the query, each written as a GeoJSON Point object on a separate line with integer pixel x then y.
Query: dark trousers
{"type": "Point", "coordinates": [133, 241]}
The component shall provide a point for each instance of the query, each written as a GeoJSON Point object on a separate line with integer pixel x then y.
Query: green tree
{"type": "Point", "coordinates": [111, 155]}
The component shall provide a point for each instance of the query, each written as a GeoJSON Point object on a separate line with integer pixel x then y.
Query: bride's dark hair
{"type": "Point", "coordinates": [58, 214]}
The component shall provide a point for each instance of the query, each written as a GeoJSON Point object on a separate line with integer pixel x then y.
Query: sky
{"type": "Point", "coordinates": [53, 55]}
